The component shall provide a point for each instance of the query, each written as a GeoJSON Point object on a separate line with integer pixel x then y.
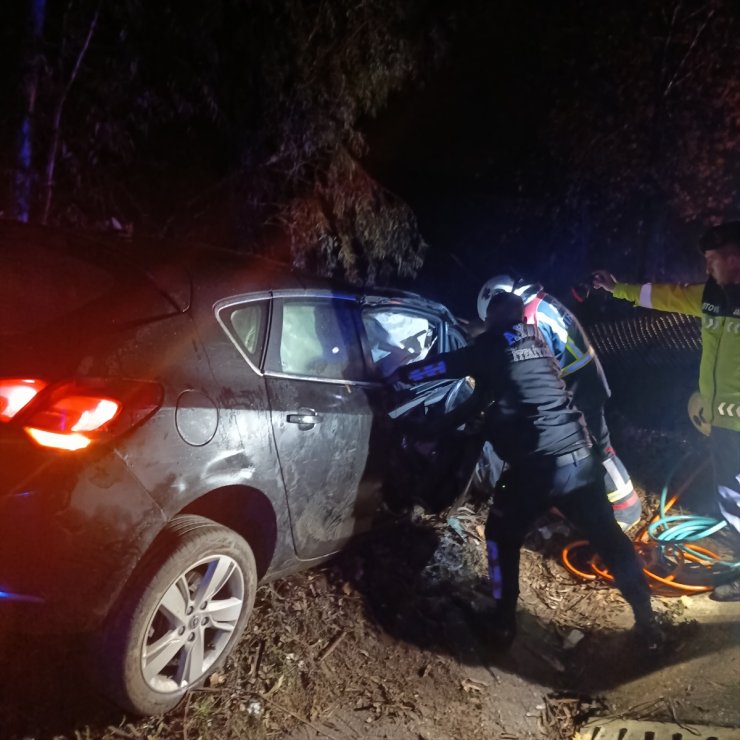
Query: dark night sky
{"type": "Point", "coordinates": [461, 147]}
{"type": "Point", "coordinates": [468, 149]}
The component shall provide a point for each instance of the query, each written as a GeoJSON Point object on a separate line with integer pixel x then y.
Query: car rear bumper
{"type": "Point", "coordinates": [70, 535]}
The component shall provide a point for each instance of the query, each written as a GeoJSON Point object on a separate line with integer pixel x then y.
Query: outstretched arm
{"type": "Point", "coordinates": [604, 280]}
{"type": "Point", "coordinates": [457, 364]}
{"type": "Point", "coordinates": [686, 299]}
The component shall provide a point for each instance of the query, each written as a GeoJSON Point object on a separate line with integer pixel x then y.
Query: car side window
{"type": "Point", "coordinates": [247, 324]}
{"type": "Point", "coordinates": [317, 338]}
{"type": "Point", "coordinates": [397, 337]}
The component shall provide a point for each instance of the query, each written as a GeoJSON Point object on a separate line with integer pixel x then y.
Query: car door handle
{"type": "Point", "coordinates": [304, 417]}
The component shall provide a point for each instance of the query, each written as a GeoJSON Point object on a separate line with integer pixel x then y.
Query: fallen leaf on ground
{"type": "Point", "coordinates": [470, 684]}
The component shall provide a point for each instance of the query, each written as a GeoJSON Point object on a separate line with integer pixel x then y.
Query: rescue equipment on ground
{"type": "Point", "coordinates": [673, 562]}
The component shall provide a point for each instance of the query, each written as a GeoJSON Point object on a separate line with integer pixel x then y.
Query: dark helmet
{"type": "Point", "coordinates": [503, 310]}
{"type": "Point", "coordinates": [720, 236]}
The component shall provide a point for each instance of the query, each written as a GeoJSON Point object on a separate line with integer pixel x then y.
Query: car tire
{"type": "Point", "coordinates": [180, 615]}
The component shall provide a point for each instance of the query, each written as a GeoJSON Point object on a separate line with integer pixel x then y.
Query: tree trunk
{"type": "Point", "coordinates": [24, 159]}
{"type": "Point", "coordinates": [56, 127]}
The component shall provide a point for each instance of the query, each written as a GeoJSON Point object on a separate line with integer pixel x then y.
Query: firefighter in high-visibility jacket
{"type": "Point", "coordinates": [717, 303]}
{"type": "Point", "coordinates": [583, 375]}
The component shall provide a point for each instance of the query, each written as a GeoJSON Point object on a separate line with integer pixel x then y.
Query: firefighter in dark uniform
{"type": "Point", "coordinates": [529, 419]}
{"type": "Point", "coordinates": [583, 375]}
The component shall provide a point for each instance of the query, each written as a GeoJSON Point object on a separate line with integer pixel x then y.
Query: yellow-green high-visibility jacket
{"type": "Point", "coordinates": [719, 309]}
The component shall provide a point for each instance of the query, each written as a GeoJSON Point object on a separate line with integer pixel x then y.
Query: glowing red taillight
{"type": "Point", "coordinates": [73, 414]}
{"type": "Point", "coordinates": [16, 393]}
{"type": "Point", "coordinates": [68, 422]}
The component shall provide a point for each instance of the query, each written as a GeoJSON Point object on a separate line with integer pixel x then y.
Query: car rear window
{"type": "Point", "coordinates": [42, 283]}
{"type": "Point", "coordinates": [247, 324]}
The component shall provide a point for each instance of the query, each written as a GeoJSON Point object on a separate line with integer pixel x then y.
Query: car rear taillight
{"type": "Point", "coordinates": [16, 393]}
{"type": "Point", "coordinates": [71, 415]}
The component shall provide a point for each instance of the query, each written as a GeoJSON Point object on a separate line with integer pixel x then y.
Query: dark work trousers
{"type": "Point", "coordinates": [528, 490]}
{"type": "Point", "coordinates": [724, 446]}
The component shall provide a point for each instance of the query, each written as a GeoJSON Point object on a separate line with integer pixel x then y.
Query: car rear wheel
{"type": "Point", "coordinates": [180, 616]}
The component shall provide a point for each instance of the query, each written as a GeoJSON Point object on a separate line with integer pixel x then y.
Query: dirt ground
{"type": "Point", "coordinates": [374, 645]}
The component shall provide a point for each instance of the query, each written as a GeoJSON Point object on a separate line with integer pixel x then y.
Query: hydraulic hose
{"type": "Point", "coordinates": [673, 562]}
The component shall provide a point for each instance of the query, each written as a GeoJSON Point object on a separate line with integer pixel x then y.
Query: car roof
{"type": "Point", "coordinates": [176, 266]}
{"type": "Point", "coordinates": [251, 272]}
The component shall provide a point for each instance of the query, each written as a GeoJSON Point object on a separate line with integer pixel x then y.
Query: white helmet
{"type": "Point", "coordinates": [505, 284]}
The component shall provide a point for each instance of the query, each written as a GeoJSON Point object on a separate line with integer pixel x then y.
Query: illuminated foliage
{"type": "Point", "coordinates": [240, 121]}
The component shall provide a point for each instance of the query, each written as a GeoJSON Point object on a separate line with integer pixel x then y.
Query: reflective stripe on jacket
{"type": "Point", "coordinates": [567, 340]}
{"type": "Point", "coordinates": [562, 332]}
{"type": "Point", "coordinates": [719, 310]}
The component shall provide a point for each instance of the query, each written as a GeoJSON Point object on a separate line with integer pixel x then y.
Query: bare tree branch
{"type": "Point", "coordinates": [694, 41]}
{"type": "Point", "coordinates": [57, 118]}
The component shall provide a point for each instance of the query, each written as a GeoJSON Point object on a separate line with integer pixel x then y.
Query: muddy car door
{"type": "Point", "coordinates": [435, 471]}
{"type": "Point", "coordinates": [324, 420]}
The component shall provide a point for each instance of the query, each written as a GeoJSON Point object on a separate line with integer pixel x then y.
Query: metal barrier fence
{"type": "Point", "coordinates": [649, 338]}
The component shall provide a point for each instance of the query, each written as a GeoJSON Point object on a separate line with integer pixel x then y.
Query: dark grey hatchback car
{"type": "Point", "coordinates": [177, 423]}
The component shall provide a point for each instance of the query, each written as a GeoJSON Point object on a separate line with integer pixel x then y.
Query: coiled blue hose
{"type": "Point", "coordinates": [680, 530]}
{"type": "Point", "coordinates": [673, 560]}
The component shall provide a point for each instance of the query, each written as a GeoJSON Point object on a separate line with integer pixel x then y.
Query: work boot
{"type": "Point", "coordinates": [491, 625]}
{"type": "Point", "coordinates": [501, 633]}
{"type": "Point", "coordinates": [727, 591]}
{"type": "Point", "coordinates": [495, 631]}
{"type": "Point", "coordinates": [651, 634]}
